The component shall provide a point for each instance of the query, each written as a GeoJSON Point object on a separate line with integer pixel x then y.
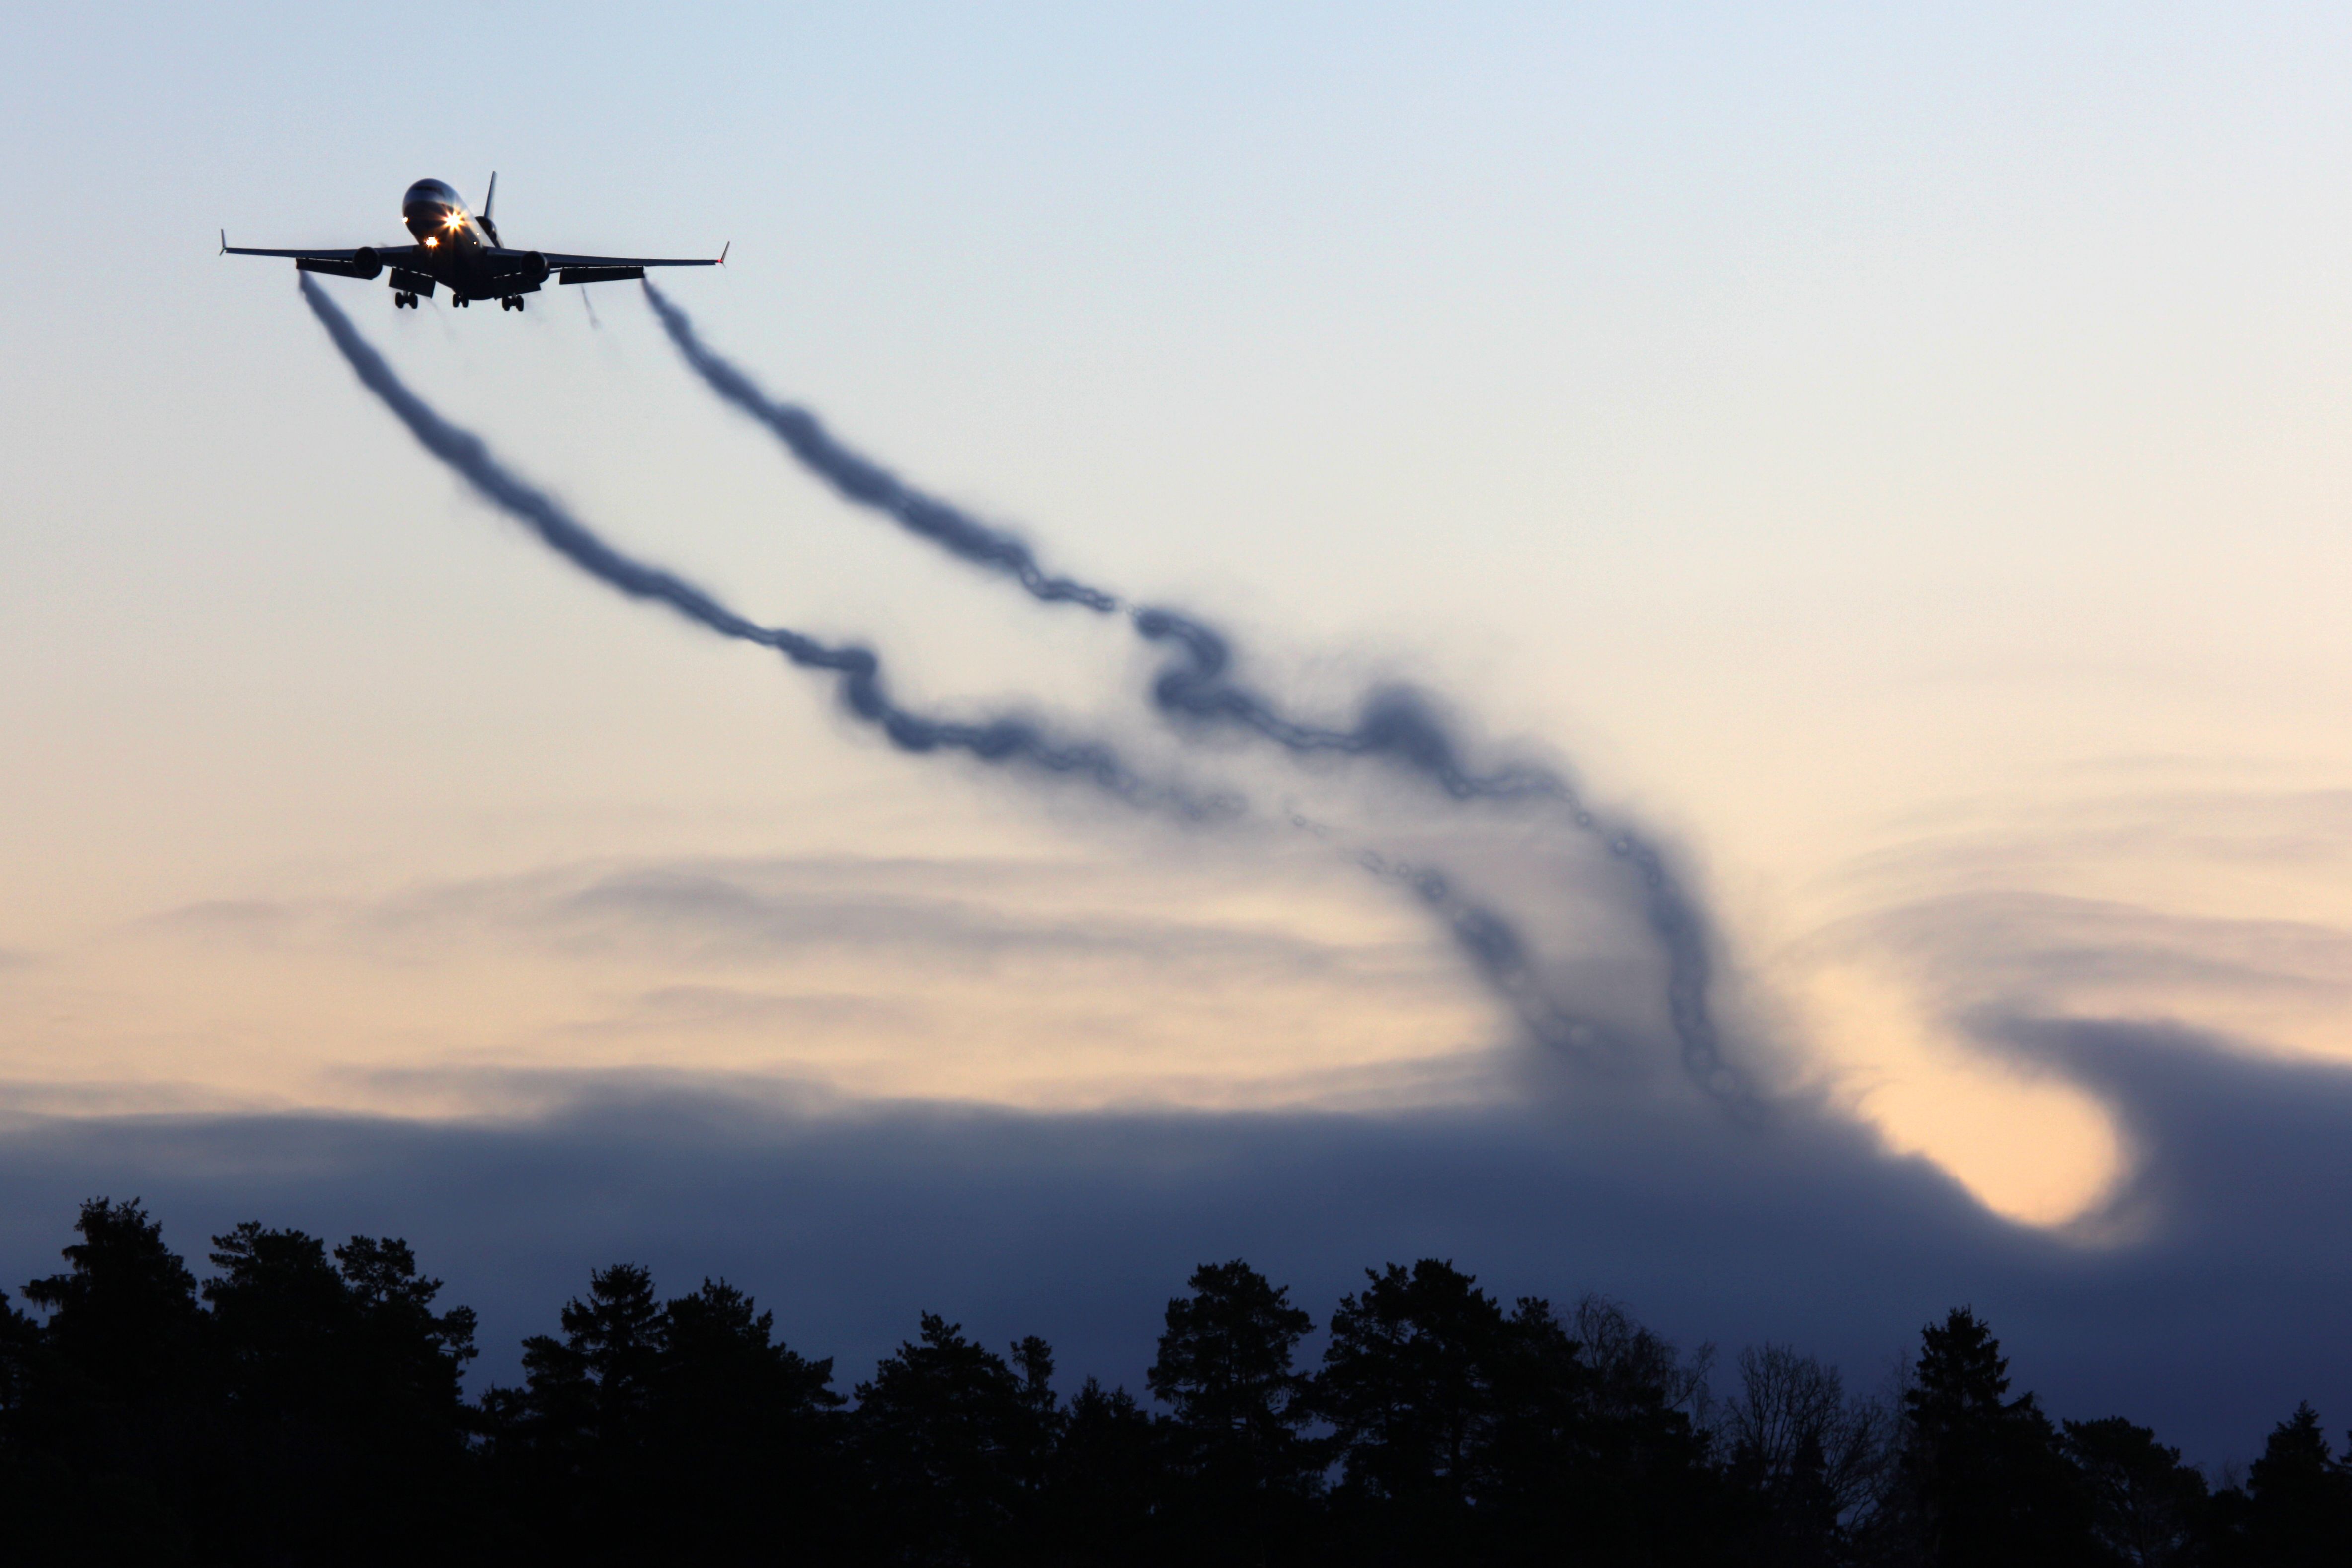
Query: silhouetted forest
{"type": "Point", "coordinates": [306, 1405]}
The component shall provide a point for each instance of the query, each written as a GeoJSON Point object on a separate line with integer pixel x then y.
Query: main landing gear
{"type": "Point", "coordinates": [407, 302]}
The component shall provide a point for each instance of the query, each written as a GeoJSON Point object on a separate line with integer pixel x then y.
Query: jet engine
{"type": "Point", "coordinates": [364, 263]}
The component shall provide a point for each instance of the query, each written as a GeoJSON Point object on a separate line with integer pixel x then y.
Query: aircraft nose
{"type": "Point", "coordinates": [429, 203]}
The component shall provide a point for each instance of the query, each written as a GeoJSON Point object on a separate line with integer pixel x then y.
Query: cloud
{"type": "Point", "coordinates": [1243, 973]}
{"type": "Point", "coordinates": [684, 1008]}
{"type": "Point", "coordinates": [2064, 830]}
{"type": "Point", "coordinates": [2219, 1310]}
{"type": "Point", "coordinates": [887, 910]}
{"type": "Point", "coordinates": [2207, 910]}
{"type": "Point", "coordinates": [2061, 950]}
{"type": "Point", "coordinates": [776, 906]}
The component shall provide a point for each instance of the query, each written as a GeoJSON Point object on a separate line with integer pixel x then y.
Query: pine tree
{"type": "Point", "coordinates": [1983, 1483]}
{"type": "Point", "coordinates": [1225, 1365]}
{"type": "Point", "coordinates": [2298, 1510]}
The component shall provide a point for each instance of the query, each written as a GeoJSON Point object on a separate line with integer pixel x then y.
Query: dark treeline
{"type": "Point", "coordinates": [305, 1405]}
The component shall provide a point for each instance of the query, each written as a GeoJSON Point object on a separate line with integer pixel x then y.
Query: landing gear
{"type": "Point", "coordinates": [458, 299]}
{"type": "Point", "coordinates": [404, 301]}
{"type": "Point", "coordinates": [511, 302]}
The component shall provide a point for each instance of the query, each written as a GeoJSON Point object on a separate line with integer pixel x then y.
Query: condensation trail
{"type": "Point", "coordinates": [858, 670]}
{"type": "Point", "coordinates": [858, 479]}
{"type": "Point", "coordinates": [1395, 726]}
{"type": "Point", "coordinates": [1398, 726]}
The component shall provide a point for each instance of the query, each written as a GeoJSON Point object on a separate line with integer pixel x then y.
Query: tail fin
{"type": "Point", "coordinates": [490, 199]}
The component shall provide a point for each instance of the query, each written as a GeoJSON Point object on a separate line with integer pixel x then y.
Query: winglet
{"type": "Point", "coordinates": [723, 251]}
{"type": "Point", "coordinates": [224, 249]}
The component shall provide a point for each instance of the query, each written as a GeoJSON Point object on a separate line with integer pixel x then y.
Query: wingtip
{"type": "Point", "coordinates": [723, 250]}
{"type": "Point", "coordinates": [224, 249]}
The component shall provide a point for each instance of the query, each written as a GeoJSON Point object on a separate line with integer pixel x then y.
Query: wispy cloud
{"type": "Point", "coordinates": [2061, 952]}
{"type": "Point", "coordinates": [1253, 980]}
{"type": "Point", "coordinates": [2198, 907]}
{"type": "Point", "coordinates": [941, 910]}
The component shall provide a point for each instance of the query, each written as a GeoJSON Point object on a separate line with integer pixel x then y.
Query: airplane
{"type": "Point", "coordinates": [460, 251]}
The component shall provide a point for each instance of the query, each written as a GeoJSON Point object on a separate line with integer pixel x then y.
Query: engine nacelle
{"type": "Point", "coordinates": [601, 274]}
{"type": "Point", "coordinates": [534, 266]}
{"type": "Point", "coordinates": [364, 263]}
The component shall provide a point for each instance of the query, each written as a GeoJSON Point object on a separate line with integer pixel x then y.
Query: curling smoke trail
{"type": "Point", "coordinates": [857, 670]}
{"type": "Point", "coordinates": [861, 480]}
{"type": "Point", "coordinates": [1395, 726]}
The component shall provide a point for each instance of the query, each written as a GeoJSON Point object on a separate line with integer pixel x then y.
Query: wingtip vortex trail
{"type": "Point", "coordinates": [1005, 739]}
{"type": "Point", "coordinates": [1395, 725]}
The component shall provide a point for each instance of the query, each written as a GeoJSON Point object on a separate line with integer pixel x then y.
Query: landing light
{"type": "Point", "coordinates": [431, 240]}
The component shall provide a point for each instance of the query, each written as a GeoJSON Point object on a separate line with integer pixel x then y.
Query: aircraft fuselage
{"type": "Point", "coordinates": [459, 253]}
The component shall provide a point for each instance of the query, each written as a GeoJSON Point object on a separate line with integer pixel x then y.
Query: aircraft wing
{"type": "Point", "coordinates": [389, 255]}
{"type": "Point", "coordinates": [320, 253]}
{"type": "Point", "coordinates": [559, 259]}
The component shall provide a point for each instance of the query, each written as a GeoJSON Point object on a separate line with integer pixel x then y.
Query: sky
{"type": "Point", "coordinates": [1893, 464]}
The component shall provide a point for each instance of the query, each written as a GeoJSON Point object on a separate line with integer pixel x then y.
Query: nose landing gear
{"type": "Point", "coordinates": [404, 301]}
{"type": "Point", "coordinates": [511, 302]}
